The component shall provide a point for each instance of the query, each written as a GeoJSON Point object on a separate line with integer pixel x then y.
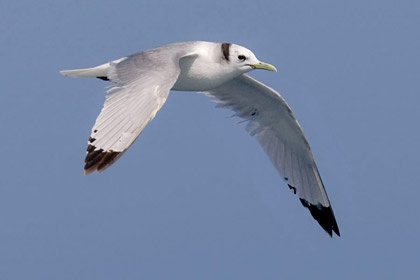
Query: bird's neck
{"type": "Point", "coordinates": [204, 72]}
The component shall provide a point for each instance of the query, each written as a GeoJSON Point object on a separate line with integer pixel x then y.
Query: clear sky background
{"type": "Point", "coordinates": [195, 197]}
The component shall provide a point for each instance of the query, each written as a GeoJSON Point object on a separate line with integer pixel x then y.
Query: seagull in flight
{"type": "Point", "coordinates": [141, 85]}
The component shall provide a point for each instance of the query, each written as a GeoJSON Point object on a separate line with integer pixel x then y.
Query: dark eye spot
{"type": "Point", "coordinates": [254, 112]}
{"type": "Point", "coordinates": [241, 57]}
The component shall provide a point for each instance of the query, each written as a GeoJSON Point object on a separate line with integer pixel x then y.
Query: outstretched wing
{"type": "Point", "coordinates": [142, 85]}
{"type": "Point", "coordinates": [273, 123]}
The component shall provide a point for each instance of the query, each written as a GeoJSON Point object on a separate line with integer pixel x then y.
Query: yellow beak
{"type": "Point", "coordinates": [265, 66]}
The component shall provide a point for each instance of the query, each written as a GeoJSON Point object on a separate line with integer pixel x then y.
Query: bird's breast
{"type": "Point", "coordinates": [198, 74]}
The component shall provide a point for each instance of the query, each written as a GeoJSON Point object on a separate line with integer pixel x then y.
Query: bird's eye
{"type": "Point", "coordinates": [241, 57]}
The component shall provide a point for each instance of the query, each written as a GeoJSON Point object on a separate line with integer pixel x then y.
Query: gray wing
{"type": "Point", "coordinates": [142, 85]}
{"type": "Point", "coordinates": [273, 123]}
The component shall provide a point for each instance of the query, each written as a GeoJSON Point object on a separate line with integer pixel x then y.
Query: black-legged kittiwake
{"type": "Point", "coordinates": [141, 85]}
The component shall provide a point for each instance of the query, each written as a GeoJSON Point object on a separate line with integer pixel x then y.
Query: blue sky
{"type": "Point", "coordinates": [195, 197]}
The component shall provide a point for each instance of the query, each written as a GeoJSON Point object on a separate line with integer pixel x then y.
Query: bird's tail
{"type": "Point", "coordinates": [100, 71]}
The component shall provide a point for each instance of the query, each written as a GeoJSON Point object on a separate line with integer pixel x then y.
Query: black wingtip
{"type": "Point", "coordinates": [324, 216]}
{"type": "Point", "coordinates": [98, 159]}
{"type": "Point", "coordinates": [103, 78]}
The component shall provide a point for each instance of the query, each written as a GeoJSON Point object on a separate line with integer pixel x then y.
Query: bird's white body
{"type": "Point", "coordinates": [142, 83]}
{"type": "Point", "coordinates": [202, 71]}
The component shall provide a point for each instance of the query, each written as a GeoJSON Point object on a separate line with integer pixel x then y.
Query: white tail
{"type": "Point", "coordinates": [98, 71]}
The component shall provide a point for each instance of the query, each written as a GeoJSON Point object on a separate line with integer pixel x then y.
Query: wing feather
{"type": "Point", "coordinates": [141, 86]}
{"type": "Point", "coordinates": [275, 126]}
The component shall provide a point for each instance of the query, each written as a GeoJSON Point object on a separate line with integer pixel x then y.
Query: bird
{"type": "Point", "coordinates": [141, 83]}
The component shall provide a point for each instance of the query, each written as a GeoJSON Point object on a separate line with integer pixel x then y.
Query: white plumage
{"type": "Point", "coordinates": [142, 83]}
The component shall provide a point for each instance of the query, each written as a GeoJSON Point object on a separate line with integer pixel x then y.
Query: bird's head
{"type": "Point", "coordinates": [243, 59]}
